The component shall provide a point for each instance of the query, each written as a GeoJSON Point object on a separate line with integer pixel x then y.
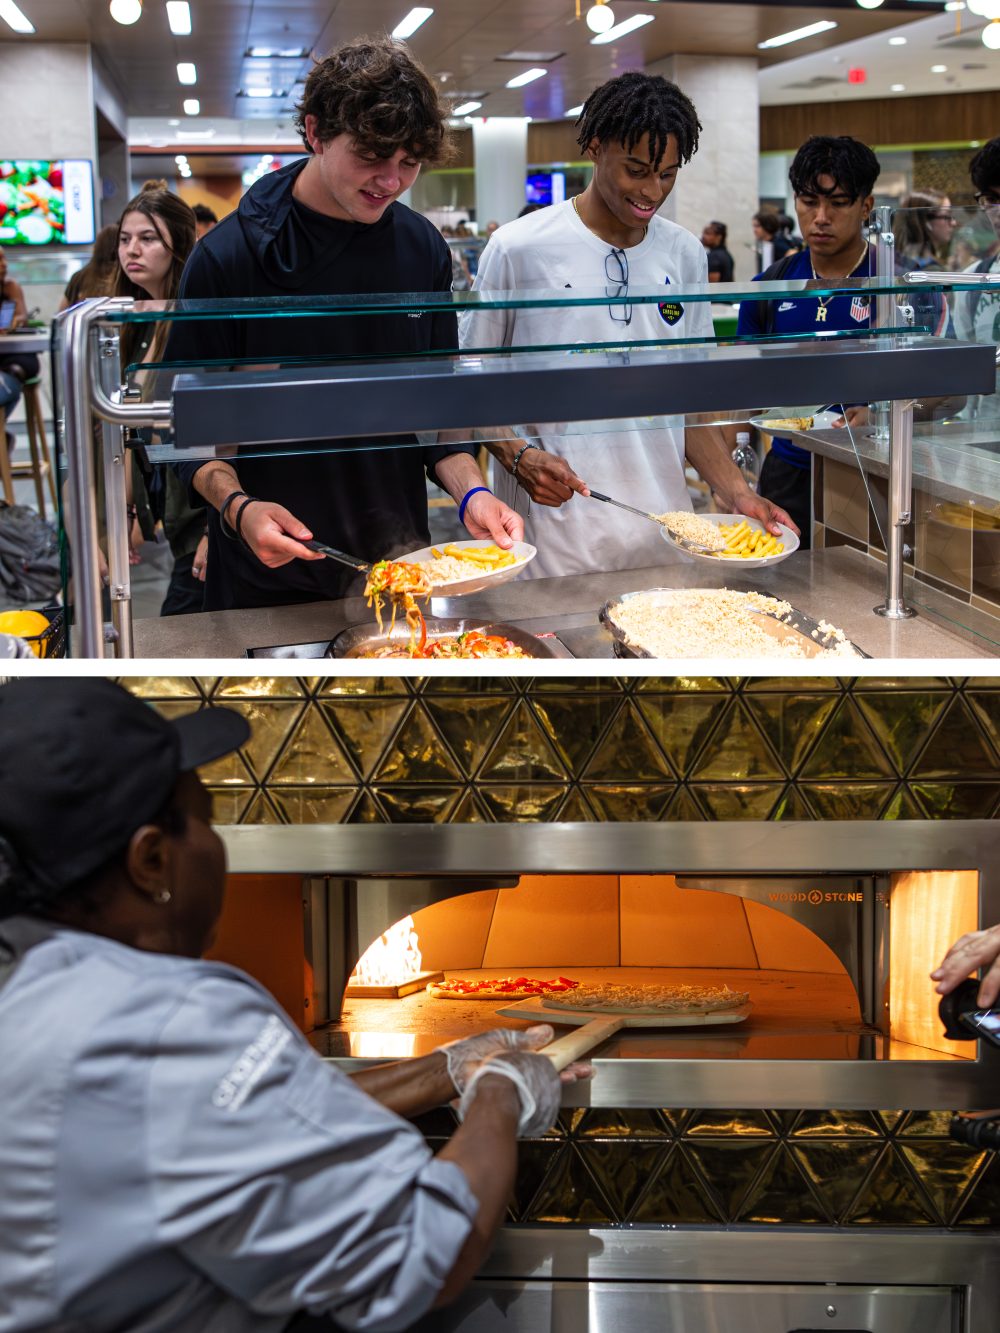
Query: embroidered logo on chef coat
{"type": "Point", "coordinates": [236, 1086]}
{"type": "Point", "coordinates": [670, 311]}
{"type": "Point", "coordinates": [860, 310]}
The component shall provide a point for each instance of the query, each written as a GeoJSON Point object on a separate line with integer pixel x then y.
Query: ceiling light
{"type": "Point", "coordinates": [179, 17]}
{"type": "Point", "coordinates": [869, 4]}
{"type": "Point", "coordinates": [173, 123]}
{"type": "Point", "coordinates": [408, 26]}
{"type": "Point", "coordinates": [574, 111]}
{"type": "Point", "coordinates": [466, 108]}
{"type": "Point", "coordinates": [192, 107]}
{"type": "Point", "coordinates": [898, 88]}
{"type": "Point", "coordinates": [529, 76]}
{"type": "Point", "coordinates": [897, 41]}
{"type": "Point", "coordinates": [954, 5]}
{"type": "Point", "coordinates": [939, 69]}
{"type": "Point", "coordinates": [261, 92]}
{"type": "Point", "coordinates": [622, 29]}
{"type": "Point", "coordinates": [272, 53]}
{"type": "Point", "coordinates": [186, 73]}
{"type": "Point", "coordinates": [796, 35]}
{"type": "Point", "coordinates": [991, 35]}
{"type": "Point", "coordinates": [13, 17]}
{"type": "Point", "coordinates": [126, 12]}
{"type": "Point", "coordinates": [600, 17]}
{"type": "Point", "coordinates": [181, 159]}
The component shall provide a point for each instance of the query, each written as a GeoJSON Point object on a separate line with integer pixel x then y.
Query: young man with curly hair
{"type": "Point", "coordinates": [326, 226]}
{"type": "Point", "coordinates": [977, 314]}
{"type": "Point", "coordinates": [638, 130]}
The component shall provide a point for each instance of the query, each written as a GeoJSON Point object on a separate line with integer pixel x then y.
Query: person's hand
{"type": "Point", "coordinates": [855, 417]}
{"type": "Point", "coordinates": [981, 948]}
{"type": "Point", "coordinates": [273, 534]}
{"type": "Point", "coordinates": [755, 506]}
{"type": "Point", "coordinates": [539, 1088]}
{"type": "Point", "coordinates": [199, 564]}
{"type": "Point", "coordinates": [549, 479]}
{"type": "Point", "coordinates": [486, 516]}
{"type": "Point", "coordinates": [465, 1056]}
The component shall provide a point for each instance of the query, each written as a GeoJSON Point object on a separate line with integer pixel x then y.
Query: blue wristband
{"type": "Point", "coordinates": [466, 498]}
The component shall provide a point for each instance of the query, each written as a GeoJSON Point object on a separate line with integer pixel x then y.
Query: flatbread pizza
{"type": "Point", "coordinates": [500, 988]}
{"type": "Point", "coordinates": [649, 999]}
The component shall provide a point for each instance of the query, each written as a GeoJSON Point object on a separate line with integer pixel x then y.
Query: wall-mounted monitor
{"type": "Point", "coordinates": [46, 203]}
{"type": "Point", "coordinates": [545, 187]}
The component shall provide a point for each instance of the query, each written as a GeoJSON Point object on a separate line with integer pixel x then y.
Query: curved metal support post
{"type": "Point", "coordinates": [880, 226]}
{"type": "Point", "coordinates": [900, 506]}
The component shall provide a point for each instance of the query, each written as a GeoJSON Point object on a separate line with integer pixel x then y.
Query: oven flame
{"type": "Point", "coordinates": [393, 958]}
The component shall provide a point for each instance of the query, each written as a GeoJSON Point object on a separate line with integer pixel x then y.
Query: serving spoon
{"type": "Point", "coordinates": [685, 543]}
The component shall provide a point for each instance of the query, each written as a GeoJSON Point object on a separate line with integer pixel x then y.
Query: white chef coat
{"type": "Point", "coordinates": [640, 461]}
{"type": "Point", "coordinates": [176, 1157]}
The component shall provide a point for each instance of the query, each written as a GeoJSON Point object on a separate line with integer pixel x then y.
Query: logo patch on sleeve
{"type": "Point", "coordinates": [236, 1085]}
{"type": "Point", "coordinates": [670, 311]}
{"type": "Point", "coordinates": [860, 309]}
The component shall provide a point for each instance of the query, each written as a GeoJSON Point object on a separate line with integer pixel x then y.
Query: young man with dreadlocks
{"type": "Point", "coordinates": [328, 225]}
{"type": "Point", "coordinates": [638, 130]}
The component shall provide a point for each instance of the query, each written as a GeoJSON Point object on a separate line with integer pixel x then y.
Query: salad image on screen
{"type": "Point", "coordinates": [46, 203]}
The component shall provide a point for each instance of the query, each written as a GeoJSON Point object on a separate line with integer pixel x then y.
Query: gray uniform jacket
{"type": "Point", "coordinates": [174, 1156]}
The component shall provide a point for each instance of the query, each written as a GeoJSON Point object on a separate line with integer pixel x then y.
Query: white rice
{"type": "Point", "coordinates": [693, 528]}
{"type": "Point", "coordinates": [449, 569]}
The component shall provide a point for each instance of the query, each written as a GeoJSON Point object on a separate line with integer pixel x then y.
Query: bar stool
{"type": "Point", "coordinates": [40, 464]}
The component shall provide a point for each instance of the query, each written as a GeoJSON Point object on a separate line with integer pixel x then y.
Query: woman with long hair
{"type": "Point", "coordinates": [924, 226]}
{"type": "Point", "coordinates": [155, 236]}
{"type": "Point", "coordinates": [97, 275]}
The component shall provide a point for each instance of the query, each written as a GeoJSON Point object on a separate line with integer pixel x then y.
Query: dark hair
{"type": "Point", "coordinates": [624, 109]}
{"type": "Point", "coordinates": [529, 208]}
{"type": "Point", "coordinates": [911, 223]}
{"type": "Point", "coordinates": [770, 222]}
{"type": "Point", "coordinates": [720, 228]}
{"type": "Point", "coordinates": [158, 204]}
{"type": "Point", "coordinates": [21, 894]}
{"type": "Point", "coordinates": [851, 163]}
{"type": "Point", "coordinates": [373, 90]}
{"type": "Point", "coordinates": [985, 167]}
{"type": "Point", "coordinates": [98, 274]}
{"type": "Point", "coordinates": [203, 213]}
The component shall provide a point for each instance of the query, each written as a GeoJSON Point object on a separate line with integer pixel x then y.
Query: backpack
{"type": "Point", "coordinates": [29, 556]}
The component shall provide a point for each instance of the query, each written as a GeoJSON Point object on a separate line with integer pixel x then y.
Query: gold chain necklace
{"type": "Point", "coordinates": [823, 301]}
{"type": "Point", "coordinates": [576, 210]}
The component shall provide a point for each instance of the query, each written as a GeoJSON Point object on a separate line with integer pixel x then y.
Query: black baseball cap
{"type": "Point", "coordinates": [84, 763]}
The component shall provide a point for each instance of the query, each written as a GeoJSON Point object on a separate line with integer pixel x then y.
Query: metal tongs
{"type": "Point", "coordinates": [685, 543]}
{"type": "Point", "coordinates": [332, 553]}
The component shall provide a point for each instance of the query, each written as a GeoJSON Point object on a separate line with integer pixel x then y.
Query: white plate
{"type": "Point", "coordinates": [821, 421]}
{"type": "Point", "coordinates": [524, 553]}
{"type": "Point", "coordinates": [787, 536]}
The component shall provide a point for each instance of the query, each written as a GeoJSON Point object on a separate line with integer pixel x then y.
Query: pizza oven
{"type": "Point", "coordinates": [831, 928]}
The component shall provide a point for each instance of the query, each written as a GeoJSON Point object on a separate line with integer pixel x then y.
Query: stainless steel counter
{"type": "Point", "coordinates": [839, 585]}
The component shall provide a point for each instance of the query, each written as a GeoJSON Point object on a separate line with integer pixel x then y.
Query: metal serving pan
{"type": "Point", "coordinates": [800, 626]}
{"type": "Point", "coordinates": [359, 640]}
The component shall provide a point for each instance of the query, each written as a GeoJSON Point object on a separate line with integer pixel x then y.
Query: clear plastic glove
{"type": "Point", "coordinates": [465, 1056]}
{"type": "Point", "coordinates": [539, 1089]}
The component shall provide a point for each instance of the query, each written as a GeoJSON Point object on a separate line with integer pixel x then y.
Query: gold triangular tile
{"type": "Point", "coordinates": [622, 1170]}
{"type": "Point", "coordinates": [957, 749]}
{"type": "Point", "coordinates": [470, 726]}
{"type": "Point", "coordinates": [903, 805]}
{"type": "Point", "coordinates": [924, 1125]}
{"type": "Point", "coordinates": [575, 809]}
{"type": "Point", "coordinates": [947, 1172]}
{"type": "Point", "coordinates": [736, 751]}
{"type": "Point", "coordinates": [625, 804]}
{"type": "Point", "coordinates": [848, 800]}
{"type": "Point", "coordinates": [180, 707]}
{"type": "Point", "coordinates": [985, 705]}
{"type": "Point", "coordinates": [271, 721]}
{"type": "Point", "coordinates": [258, 687]}
{"type": "Point", "coordinates": [792, 722]}
{"type": "Point", "coordinates": [836, 1125]}
{"type": "Point", "coordinates": [416, 753]}
{"type": "Point", "coordinates": [612, 1123]}
{"type": "Point", "coordinates": [468, 811]}
{"type": "Point", "coordinates": [569, 1194]}
{"type": "Point", "coordinates": [676, 1195]}
{"type": "Point", "coordinates": [902, 719]}
{"type": "Point", "coordinates": [627, 752]}
{"type": "Point", "coordinates": [730, 1166]}
{"type": "Point", "coordinates": [746, 800]}
{"type": "Point", "coordinates": [366, 687]}
{"type": "Point", "coordinates": [418, 805]}
{"type": "Point", "coordinates": [792, 804]}
{"type": "Point", "coordinates": [683, 806]}
{"type": "Point", "coordinates": [808, 685]}
{"type": "Point", "coordinates": [165, 687]}
{"type": "Point", "coordinates": [522, 752]}
{"type": "Point", "coordinates": [836, 1169]}
{"type": "Point", "coordinates": [891, 1197]}
{"type": "Point", "coordinates": [781, 1194]}
{"type": "Point", "coordinates": [542, 685]}
{"type": "Point", "coordinates": [312, 756]}
{"type": "Point", "coordinates": [470, 687]}
{"type": "Point", "coordinates": [957, 800]}
{"type": "Point", "coordinates": [229, 804]}
{"type": "Point", "coordinates": [891, 1119]}
{"type": "Point", "coordinates": [312, 805]}
{"type": "Point", "coordinates": [847, 749]}
{"type": "Point", "coordinates": [575, 723]}
{"type": "Point", "coordinates": [229, 771]}
{"type": "Point", "coordinates": [981, 1205]}
{"type": "Point", "coordinates": [261, 811]}
{"type": "Point", "coordinates": [366, 811]}
{"type": "Point", "coordinates": [683, 685]}
{"type": "Point", "coordinates": [725, 1124]}
{"type": "Point", "coordinates": [365, 726]}
{"type": "Point", "coordinates": [531, 803]}
{"type": "Point", "coordinates": [682, 724]}
{"type": "Point", "coordinates": [536, 1158]}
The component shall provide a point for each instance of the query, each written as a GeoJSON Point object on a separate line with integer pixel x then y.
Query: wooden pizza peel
{"type": "Point", "coordinates": [596, 1025]}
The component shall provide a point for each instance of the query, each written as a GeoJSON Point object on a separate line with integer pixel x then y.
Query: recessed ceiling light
{"type": "Point", "coordinates": [179, 17]}
{"type": "Point", "coordinates": [466, 108]}
{"type": "Point", "coordinates": [273, 53]}
{"type": "Point", "coordinates": [530, 57]}
{"type": "Point", "coordinates": [186, 73]}
{"type": "Point", "coordinates": [261, 92]}
{"type": "Point", "coordinates": [125, 12]}
{"type": "Point", "coordinates": [13, 17]}
{"type": "Point", "coordinates": [529, 76]}
{"type": "Point", "coordinates": [897, 41]}
{"type": "Point", "coordinates": [939, 69]}
{"type": "Point", "coordinates": [954, 5]}
{"type": "Point", "coordinates": [869, 4]}
{"type": "Point", "coordinates": [415, 18]}
{"type": "Point", "coordinates": [181, 159]}
{"type": "Point", "coordinates": [898, 88]}
{"type": "Point", "coordinates": [192, 107]}
{"type": "Point", "coordinates": [622, 29]}
{"type": "Point", "coordinates": [797, 34]}
{"type": "Point", "coordinates": [574, 111]}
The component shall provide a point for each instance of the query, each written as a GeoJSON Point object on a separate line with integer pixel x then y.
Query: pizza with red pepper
{"type": "Point", "coordinates": [500, 988]}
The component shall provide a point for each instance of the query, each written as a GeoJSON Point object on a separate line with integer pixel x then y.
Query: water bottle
{"type": "Point", "coordinates": [745, 458]}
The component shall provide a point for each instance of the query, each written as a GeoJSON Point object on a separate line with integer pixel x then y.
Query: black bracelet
{"type": "Point", "coordinates": [222, 513]}
{"type": "Point", "coordinates": [517, 459]}
{"type": "Point", "coordinates": [239, 519]}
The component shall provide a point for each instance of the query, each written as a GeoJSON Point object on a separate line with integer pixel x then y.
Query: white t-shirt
{"type": "Point", "coordinates": [639, 461]}
{"type": "Point", "coordinates": [976, 314]}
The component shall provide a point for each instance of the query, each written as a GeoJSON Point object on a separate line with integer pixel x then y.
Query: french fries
{"type": "Point", "coordinates": [746, 543]}
{"type": "Point", "coordinates": [489, 557]}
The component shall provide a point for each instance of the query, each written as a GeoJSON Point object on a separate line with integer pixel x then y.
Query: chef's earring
{"type": "Point", "coordinates": [163, 896]}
